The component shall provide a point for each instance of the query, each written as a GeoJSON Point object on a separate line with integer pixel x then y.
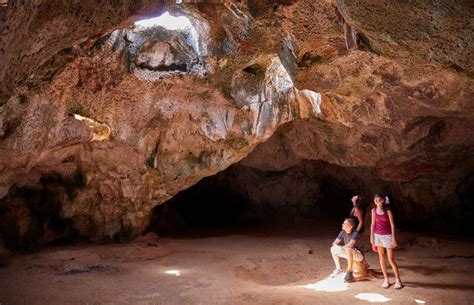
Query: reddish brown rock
{"type": "Point", "coordinates": [166, 108]}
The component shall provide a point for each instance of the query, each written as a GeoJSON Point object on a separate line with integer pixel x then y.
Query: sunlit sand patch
{"type": "Point", "coordinates": [372, 297]}
{"type": "Point", "coordinates": [329, 284]}
{"type": "Point", "coordinates": [173, 272]}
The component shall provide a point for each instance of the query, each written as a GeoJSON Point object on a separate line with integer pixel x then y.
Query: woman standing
{"type": "Point", "coordinates": [382, 235]}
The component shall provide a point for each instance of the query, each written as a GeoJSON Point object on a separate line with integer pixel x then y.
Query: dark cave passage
{"type": "Point", "coordinates": [204, 205]}
{"type": "Point", "coordinates": [31, 215]}
{"type": "Point", "coordinates": [308, 193]}
{"type": "Point", "coordinates": [243, 196]}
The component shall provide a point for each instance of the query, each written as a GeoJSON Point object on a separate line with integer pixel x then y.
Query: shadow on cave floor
{"type": "Point", "coordinates": [302, 229]}
{"type": "Point", "coordinates": [468, 287]}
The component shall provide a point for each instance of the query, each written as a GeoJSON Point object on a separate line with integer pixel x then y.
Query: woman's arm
{"type": "Point", "coordinates": [392, 225]}
{"type": "Point", "coordinates": [358, 214]}
{"type": "Point", "coordinates": [372, 226]}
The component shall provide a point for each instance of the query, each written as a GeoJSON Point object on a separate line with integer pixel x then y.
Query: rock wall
{"type": "Point", "coordinates": [111, 119]}
{"type": "Point", "coordinates": [285, 172]}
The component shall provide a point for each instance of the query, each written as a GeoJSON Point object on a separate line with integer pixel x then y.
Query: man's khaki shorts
{"type": "Point", "coordinates": [341, 252]}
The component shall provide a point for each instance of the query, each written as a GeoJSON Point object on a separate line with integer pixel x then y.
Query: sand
{"type": "Point", "coordinates": [253, 266]}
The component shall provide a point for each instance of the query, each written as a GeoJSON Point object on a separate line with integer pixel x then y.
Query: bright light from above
{"type": "Point", "coordinates": [329, 284]}
{"type": "Point", "coordinates": [372, 297]}
{"type": "Point", "coordinates": [167, 21]}
{"type": "Point", "coordinates": [419, 301]}
{"type": "Point", "coordinates": [173, 272]}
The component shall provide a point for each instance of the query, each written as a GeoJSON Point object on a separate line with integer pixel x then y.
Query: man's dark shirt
{"type": "Point", "coordinates": [347, 237]}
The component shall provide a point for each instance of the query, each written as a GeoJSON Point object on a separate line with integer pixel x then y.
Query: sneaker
{"type": "Point", "coordinates": [385, 284]}
{"type": "Point", "coordinates": [336, 272]}
{"type": "Point", "coordinates": [398, 284]}
{"type": "Point", "coordinates": [349, 277]}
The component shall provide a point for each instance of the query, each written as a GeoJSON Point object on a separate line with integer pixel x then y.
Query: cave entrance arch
{"type": "Point", "coordinates": [308, 194]}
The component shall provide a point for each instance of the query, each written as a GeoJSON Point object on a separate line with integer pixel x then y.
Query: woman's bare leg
{"type": "Point", "coordinates": [381, 251]}
{"type": "Point", "coordinates": [391, 259]}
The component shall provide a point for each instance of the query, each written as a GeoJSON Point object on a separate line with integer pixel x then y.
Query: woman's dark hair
{"type": "Point", "coordinates": [358, 202]}
{"type": "Point", "coordinates": [386, 201]}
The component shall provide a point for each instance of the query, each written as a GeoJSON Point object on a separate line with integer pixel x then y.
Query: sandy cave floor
{"type": "Point", "coordinates": [257, 266]}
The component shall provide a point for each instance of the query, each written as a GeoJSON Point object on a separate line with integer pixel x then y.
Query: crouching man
{"type": "Point", "coordinates": [349, 250]}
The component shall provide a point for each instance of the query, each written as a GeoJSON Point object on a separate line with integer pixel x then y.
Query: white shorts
{"type": "Point", "coordinates": [341, 252]}
{"type": "Point", "coordinates": [384, 241]}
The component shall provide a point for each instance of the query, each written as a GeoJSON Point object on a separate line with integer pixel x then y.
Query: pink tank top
{"type": "Point", "coordinates": [382, 223]}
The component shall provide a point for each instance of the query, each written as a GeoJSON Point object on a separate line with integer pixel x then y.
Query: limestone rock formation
{"type": "Point", "coordinates": [102, 120]}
